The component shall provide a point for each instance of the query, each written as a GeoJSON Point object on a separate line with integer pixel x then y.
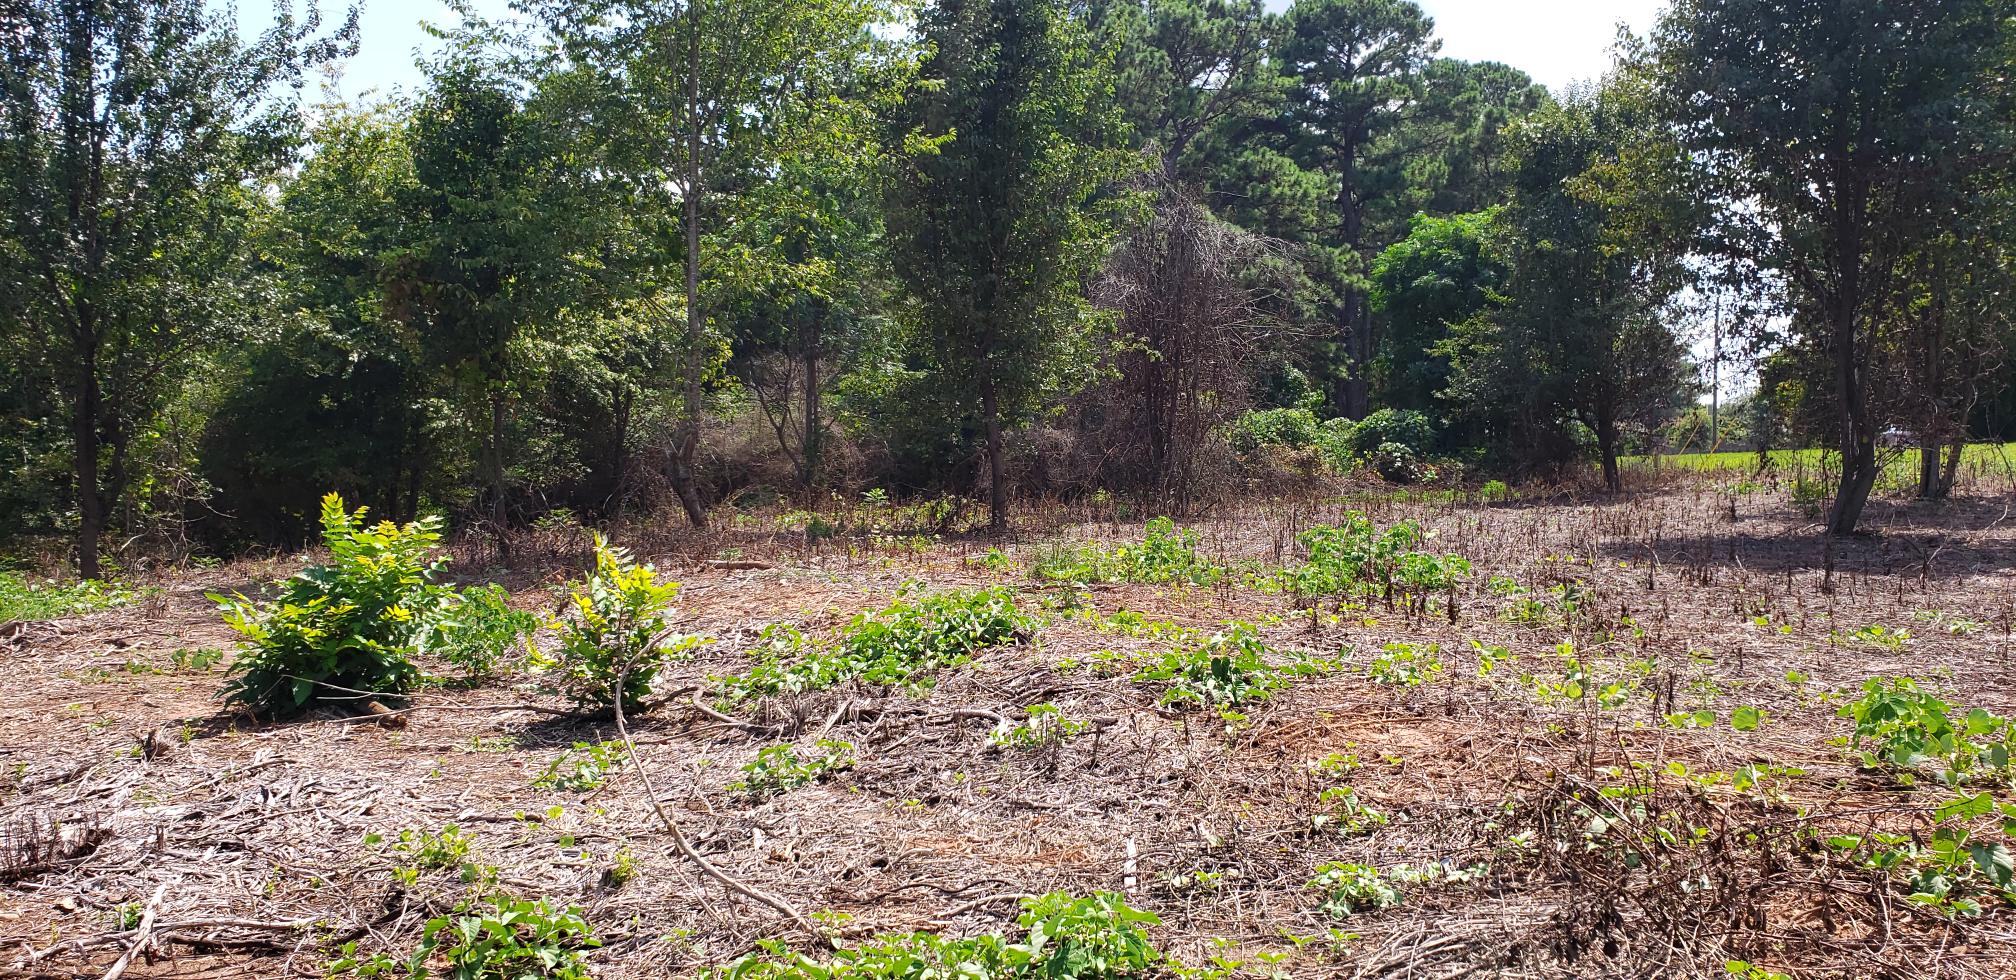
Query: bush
{"type": "Point", "coordinates": [1166, 554]}
{"type": "Point", "coordinates": [1099, 937]}
{"type": "Point", "coordinates": [1395, 463]}
{"type": "Point", "coordinates": [618, 635]}
{"type": "Point", "coordinates": [903, 643]}
{"type": "Point", "coordinates": [1293, 428]}
{"type": "Point", "coordinates": [500, 938]}
{"type": "Point", "coordinates": [474, 632]}
{"type": "Point", "coordinates": [1404, 427]}
{"type": "Point", "coordinates": [342, 631]}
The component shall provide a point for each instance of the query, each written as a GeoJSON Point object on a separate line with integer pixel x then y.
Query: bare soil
{"type": "Point", "coordinates": [123, 779]}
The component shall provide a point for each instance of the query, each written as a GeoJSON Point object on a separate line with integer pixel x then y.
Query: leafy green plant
{"type": "Point", "coordinates": [24, 599]}
{"type": "Point", "coordinates": [1097, 937]}
{"type": "Point", "coordinates": [905, 642]}
{"type": "Point", "coordinates": [584, 767]}
{"type": "Point", "coordinates": [341, 631]}
{"type": "Point", "coordinates": [1898, 724]}
{"type": "Point", "coordinates": [475, 631]}
{"type": "Point", "coordinates": [1954, 869]}
{"type": "Point", "coordinates": [498, 938]}
{"type": "Point", "coordinates": [1405, 665]}
{"type": "Point", "coordinates": [1344, 811]}
{"type": "Point", "coordinates": [1228, 669]}
{"type": "Point", "coordinates": [1044, 726]}
{"type": "Point", "coordinates": [1166, 555]}
{"type": "Point", "coordinates": [1355, 556]}
{"type": "Point", "coordinates": [618, 637]}
{"type": "Point", "coordinates": [196, 659]}
{"type": "Point", "coordinates": [424, 850]}
{"type": "Point", "coordinates": [779, 768]}
{"type": "Point", "coordinates": [1351, 888]}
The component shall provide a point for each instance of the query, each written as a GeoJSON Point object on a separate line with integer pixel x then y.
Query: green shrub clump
{"type": "Point", "coordinates": [1166, 555]}
{"type": "Point", "coordinates": [903, 643]}
{"type": "Point", "coordinates": [344, 631]}
{"type": "Point", "coordinates": [474, 631]}
{"type": "Point", "coordinates": [1228, 669]}
{"type": "Point", "coordinates": [1099, 937]}
{"type": "Point", "coordinates": [500, 938]}
{"type": "Point", "coordinates": [1404, 428]}
{"type": "Point", "coordinates": [618, 639]}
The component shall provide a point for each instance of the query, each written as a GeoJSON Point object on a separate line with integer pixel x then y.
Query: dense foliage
{"type": "Point", "coordinates": [345, 631]}
{"type": "Point", "coordinates": [620, 256]}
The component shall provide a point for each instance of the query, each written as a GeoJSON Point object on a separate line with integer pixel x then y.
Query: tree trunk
{"type": "Point", "coordinates": [1930, 453]}
{"type": "Point", "coordinates": [1858, 434]}
{"type": "Point", "coordinates": [90, 504]}
{"type": "Point", "coordinates": [997, 487]}
{"type": "Point", "coordinates": [499, 507]}
{"type": "Point", "coordinates": [1858, 431]}
{"type": "Point", "coordinates": [686, 439]}
{"type": "Point", "coordinates": [808, 454]}
{"type": "Point", "coordinates": [1606, 444]}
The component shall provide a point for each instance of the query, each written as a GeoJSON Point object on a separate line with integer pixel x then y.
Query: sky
{"type": "Point", "coordinates": [1555, 41]}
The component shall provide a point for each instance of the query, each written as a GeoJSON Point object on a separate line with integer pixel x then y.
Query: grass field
{"type": "Point", "coordinates": [1981, 460]}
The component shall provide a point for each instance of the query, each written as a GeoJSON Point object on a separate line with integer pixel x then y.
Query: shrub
{"type": "Point", "coordinates": [1401, 427]}
{"type": "Point", "coordinates": [1397, 463]}
{"type": "Point", "coordinates": [474, 632]}
{"type": "Point", "coordinates": [1167, 554]}
{"type": "Point", "coordinates": [618, 635]}
{"type": "Point", "coordinates": [499, 938]}
{"type": "Point", "coordinates": [903, 643]}
{"type": "Point", "coordinates": [346, 627]}
{"type": "Point", "coordinates": [1229, 669]}
{"type": "Point", "coordinates": [1099, 937]}
{"type": "Point", "coordinates": [1291, 428]}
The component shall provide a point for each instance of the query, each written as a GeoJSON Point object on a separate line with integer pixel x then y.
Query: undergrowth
{"type": "Point", "coordinates": [1099, 937]}
{"type": "Point", "coordinates": [24, 599]}
{"type": "Point", "coordinates": [903, 643]}
{"type": "Point", "coordinates": [1229, 668]}
{"type": "Point", "coordinates": [1166, 555]}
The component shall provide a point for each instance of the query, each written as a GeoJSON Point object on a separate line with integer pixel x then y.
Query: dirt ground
{"type": "Point", "coordinates": [127, 788]}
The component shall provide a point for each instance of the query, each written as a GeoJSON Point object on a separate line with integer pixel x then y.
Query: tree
{"type": "Point", "coordinates": [330, 394]}
{"type": "Point", "coordinates": [1444, 272]}
{"type": "Point", "coordinates": [703, 103]}
{"type": "Point", "coordinates": [998, 231]}
{"type": "Point", "coordinates": [1355, 67]}
{"type": "Point", "coordinates": [1596, 232]}
{"type": "Point", "coordinates": [503, 236]}
{"type": "Point", "coordinates": [1828, 131]}
{"type": "Point", "coordinates": [133, 137]}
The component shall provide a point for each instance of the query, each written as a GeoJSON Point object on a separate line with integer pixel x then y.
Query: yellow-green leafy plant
{"type": "Point", "coordinates": [344, 631]}
{"type": "Point", "coordinates": [619, 637]}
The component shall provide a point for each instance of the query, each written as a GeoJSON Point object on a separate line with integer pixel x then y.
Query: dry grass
{"type": "Point", "coordinates": [123, 780]}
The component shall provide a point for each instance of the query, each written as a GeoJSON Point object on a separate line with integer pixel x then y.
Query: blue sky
{"type": "Point", "coordinates": [1555, 41]}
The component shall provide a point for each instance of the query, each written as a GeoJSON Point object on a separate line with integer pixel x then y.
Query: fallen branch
{"type": "Point", "coordinates": [140, 934]}
{"type": "Point", "coordinates": [679, 836]}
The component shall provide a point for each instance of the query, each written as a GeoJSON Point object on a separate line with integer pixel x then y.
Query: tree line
{"type": "Point", "coordinates": [614, 253]}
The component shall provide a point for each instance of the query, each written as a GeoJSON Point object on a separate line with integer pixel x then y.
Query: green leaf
{"type": "Point", "coordinates": [1746, 719]}
{"type": "Point", "coordinates": [1965, 808]}
{"type": "Point", "coordinates": [1994, 860]}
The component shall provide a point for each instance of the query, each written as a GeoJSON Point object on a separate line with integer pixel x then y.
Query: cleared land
{"type": "Point", "coordinates": [1631, 761]}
